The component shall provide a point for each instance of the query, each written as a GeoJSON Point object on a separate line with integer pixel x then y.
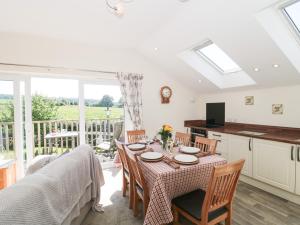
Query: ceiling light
{"type": "Point", "coordinates": [256, 69]}
{"type": "Point", "coordinates": [155, 48]}
{"type": "Point", "coordinates": [116, 8]}
{"type": "Point", "coordinates": [199, 81]}
{"type": "Point", "coordinates": [275, 65]}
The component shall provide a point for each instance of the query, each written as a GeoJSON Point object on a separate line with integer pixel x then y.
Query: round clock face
{"type": "Point", "coordinates": [166, 92]}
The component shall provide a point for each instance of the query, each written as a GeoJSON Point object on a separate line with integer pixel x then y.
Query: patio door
{"type": "Point", "coordinates": [55, 115]}
{"type": "Point", "coordinates": [104, 116]}
{"type": "Point", "coordinates": [12, 121]}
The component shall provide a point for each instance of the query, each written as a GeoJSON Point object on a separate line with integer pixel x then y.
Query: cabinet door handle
{"type": "Point", "coordinates": [217, 135]}
{"type": "Point", "coordinates": [298, 154]}
{"type": "Point", "coordinates": [250, 144]}
{"type": "Point", "coordinates": [292, 152]}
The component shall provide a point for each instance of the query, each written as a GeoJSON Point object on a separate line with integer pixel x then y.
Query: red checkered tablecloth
{"type": "Point", "coordinates": [166, 183]}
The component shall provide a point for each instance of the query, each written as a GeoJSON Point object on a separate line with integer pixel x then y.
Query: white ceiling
{"type": "Point", "coordinates": [170, 25]}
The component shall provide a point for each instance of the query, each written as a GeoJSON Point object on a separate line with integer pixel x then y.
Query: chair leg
{"type": "Point", "coordinates": [145, 205]}
{"type": "Point", "coordinates": [228, 219]}
{"type": "Point", "coordinates": [131, 193]}
{"type": "Point", "coordinates": [124, 185]}
{"type": "Point", "coordinates": [175, 216]}
{"type": "Point", "coordinates": [135, 203]}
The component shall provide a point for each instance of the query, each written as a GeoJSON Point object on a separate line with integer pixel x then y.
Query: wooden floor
{"type": "Point", "coordinates": [257, 207]}
{"type": "Point", "coordinates": [252, 206]}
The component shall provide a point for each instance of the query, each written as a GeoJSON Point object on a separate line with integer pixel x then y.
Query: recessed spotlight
{"type": "Point", "coordinates": [155, 48]}
{"type": "Point", "coordinates": [275, 65]}
{"type": "Point", "coordinates": [199, 81]}
{"type": "Point", "coordinates": [256, 69]}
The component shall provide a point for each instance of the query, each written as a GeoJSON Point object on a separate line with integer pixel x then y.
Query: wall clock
{"type": "Point", "coordinates": [165, 94]}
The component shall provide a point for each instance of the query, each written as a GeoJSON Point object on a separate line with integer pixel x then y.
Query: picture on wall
{"type": "Point", "coordinates": [249, 100]}
{"type": "Point", "coordinates": [277, 109]}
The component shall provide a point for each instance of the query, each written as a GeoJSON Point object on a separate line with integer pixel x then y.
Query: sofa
{"type": "Point", "coordinates": [60, 193]}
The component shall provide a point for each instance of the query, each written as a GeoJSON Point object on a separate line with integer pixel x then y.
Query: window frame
{"type": "Point", "coordinates": [197, 50]}
{"type": "Point", "coordinates": [288, 17]}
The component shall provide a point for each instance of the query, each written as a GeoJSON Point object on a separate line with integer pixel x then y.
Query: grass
{"type": "Point", "coordinates": [72, 113]}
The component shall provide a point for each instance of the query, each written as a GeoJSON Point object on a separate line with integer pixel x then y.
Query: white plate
{"type": "Point", "coordinates": [136, 147]}
{"type": "Point", "coordinates": [151, 156]}
{"type": "Point", "coordinates": [146, 142]}
{"type": "Point", "coordinates": [189, 150]}
{"type": "Point", "coordinates": [186, 159]}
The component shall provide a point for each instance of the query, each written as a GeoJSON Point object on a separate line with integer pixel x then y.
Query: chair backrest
{"type": "Point", "coordinates": [135, 135]}
{"type": "Point", "coordinates": [206, 145]}
{"type": "Point", "coordinates": [122, 155]}
{"type": "Point", "coordinates": [183, 138]}
{"type": "Point", "coordinates": [137, 172]}
{"type": "Point", "coordinates": [221, 187]}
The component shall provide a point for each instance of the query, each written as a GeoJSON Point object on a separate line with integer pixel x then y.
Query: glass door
{"type": "Point", "coordinates": [12, 123]}
{"type": "Point", "coordinates": [7, 146]}
{"type": "Point", "coordinates": [104, 118]}
{"type": "Point", "coordinates": [55, 115]}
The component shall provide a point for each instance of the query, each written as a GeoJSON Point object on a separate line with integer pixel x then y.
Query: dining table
{"type": "Point", "coordinates": [166, 182]}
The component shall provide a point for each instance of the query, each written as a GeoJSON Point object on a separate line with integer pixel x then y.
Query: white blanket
{"type": "Point", "coordinates": [49, 195]}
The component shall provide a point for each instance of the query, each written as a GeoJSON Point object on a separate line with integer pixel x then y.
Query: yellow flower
{"type": "Point", "coordinates": [167, 127]}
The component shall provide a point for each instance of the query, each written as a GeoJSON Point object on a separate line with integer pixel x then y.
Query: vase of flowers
{"type": "Point", "coordinates": [165, 133]}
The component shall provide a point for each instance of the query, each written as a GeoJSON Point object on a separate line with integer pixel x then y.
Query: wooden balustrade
{"type": "Point", "coordinates": [95, 130]}
{"type": "Point", "coordinates": [6, 137]}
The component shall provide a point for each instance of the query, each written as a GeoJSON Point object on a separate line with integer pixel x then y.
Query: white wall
{"type": "Point", "coordinates": [261, 111]}
{"type": "Point", "coordinates": [35, 50]}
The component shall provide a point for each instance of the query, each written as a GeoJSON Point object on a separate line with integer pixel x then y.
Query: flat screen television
{"type": "Point", "coordinates": [215, 114]}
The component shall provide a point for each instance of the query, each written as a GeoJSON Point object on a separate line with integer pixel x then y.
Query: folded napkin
{"type": "Point", "coordinates": [171, 163]}
{"type": "Point", "coordinates": [141, 152]}
{"type": "Point", "coordinates": [202, 154]}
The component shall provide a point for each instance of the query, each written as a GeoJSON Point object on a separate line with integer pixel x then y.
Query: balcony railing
{"type": "Point", "coordinates": [95, 131]}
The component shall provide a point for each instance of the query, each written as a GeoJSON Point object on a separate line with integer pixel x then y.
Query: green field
{"type": "Point", "coordinates": [72, 113]}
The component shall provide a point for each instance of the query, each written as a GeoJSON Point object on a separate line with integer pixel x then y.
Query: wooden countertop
{"type": "Point", "coordinates": [272, 133]}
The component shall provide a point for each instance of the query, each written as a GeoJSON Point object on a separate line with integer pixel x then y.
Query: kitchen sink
{"type": "Point", "coordinates": [250, 133]}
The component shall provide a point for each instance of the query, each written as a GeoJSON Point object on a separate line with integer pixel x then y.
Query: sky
{"type": "Point", "coordinates": [64, 88]}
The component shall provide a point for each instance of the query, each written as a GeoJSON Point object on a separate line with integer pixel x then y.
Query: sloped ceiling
{"type": "Point", "coordinates": [170, 25]}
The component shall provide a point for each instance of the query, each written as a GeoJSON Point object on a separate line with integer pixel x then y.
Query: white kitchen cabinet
{"type": "Point", "coordinates": [274, 163]}
{"type": "Point", "coordinates": [240, 147]}
{"type": "Point", "coordinates": [222, 145]}
{"type": "Point", "coordinates": [298, 170]}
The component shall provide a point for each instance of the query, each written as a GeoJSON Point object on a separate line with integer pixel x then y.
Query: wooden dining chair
{"type": "Point", "coordinates": [135, 135]}
{"type": "Point", "coordinates": [206, 145]}
{"type": "Point", "coordinates": [183, 138]}
{"type": "Point", "coordinates": [126, 173]}
{"type": "Point", "coordinates": [140, 189]}
{"type": "Point", "coordinates": [214, 205]}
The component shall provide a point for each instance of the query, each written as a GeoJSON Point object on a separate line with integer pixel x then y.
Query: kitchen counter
{"type": "Point", "coordinates": [272, 133]}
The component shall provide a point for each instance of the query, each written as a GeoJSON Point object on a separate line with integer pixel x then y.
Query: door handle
{"type": "Point", "coordinates": [298, 154]}
{"type": "Point", "coordinates": [250, 144]}
{"type": "Point", "coordinates": [292, 152]}
{"type": "Point", "coordinates": [217, 135]}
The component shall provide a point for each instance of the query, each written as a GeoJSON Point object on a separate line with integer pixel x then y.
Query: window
{"type": "Point", "coordinates": [292, 11]}
{"type": "Point", "coordinates": [217, 57]}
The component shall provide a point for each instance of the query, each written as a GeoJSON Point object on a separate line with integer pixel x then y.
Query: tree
{"type": "Point", "coordinates": [106, 101]}
{"type": "Point", "coordinates": [120, 103]}
{"type": "Point", "coordinates": [43, 108]}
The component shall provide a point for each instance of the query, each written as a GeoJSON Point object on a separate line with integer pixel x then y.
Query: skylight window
{"type": "Point", "coordinates": [218, 58]}
{"type": "Point", "coordinates": [292, 11]}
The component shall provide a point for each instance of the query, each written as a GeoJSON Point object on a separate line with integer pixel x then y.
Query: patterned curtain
{"type": "Point", "coordinates": [131, 89]}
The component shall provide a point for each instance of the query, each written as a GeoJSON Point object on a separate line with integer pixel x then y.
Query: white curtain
{"type": "Point", "coordinates": [131, 89]}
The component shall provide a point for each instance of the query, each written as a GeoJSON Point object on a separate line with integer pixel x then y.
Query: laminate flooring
{"type": "Point", "coordinates": [252, 206]}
